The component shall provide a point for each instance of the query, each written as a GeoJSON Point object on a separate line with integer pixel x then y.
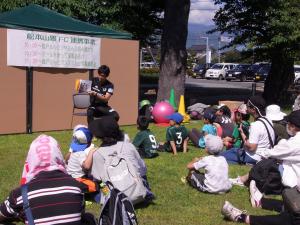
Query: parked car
{"type": "Point", "coordinates": [249, 73]}
{"type": "Point", "coordinates": [199, 71]}
{"type": "Point", "coordinates": [262, 73]}
{"type": "Point", "coordinates": [297, 74]}
{"type": "Point", "coordinates": [218, 70]}
{"type": "Point", "coordinates": [236, 72]}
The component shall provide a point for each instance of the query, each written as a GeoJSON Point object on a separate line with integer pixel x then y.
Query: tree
{"type": "Point", "coordinates": [271, 26]}
{"type": "Point", "coordinates": [173, 49]}
{"type": "Point", "coordinates": [138, 18]}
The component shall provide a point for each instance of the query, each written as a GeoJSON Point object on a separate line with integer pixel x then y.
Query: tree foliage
{"type": "Point", "coordinates": [142, 19]}
{"type": "Point", "coordinates": [271, 29]}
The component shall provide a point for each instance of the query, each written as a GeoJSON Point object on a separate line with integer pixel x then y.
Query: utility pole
{"type": "Point", "coordinates": [208, 54]}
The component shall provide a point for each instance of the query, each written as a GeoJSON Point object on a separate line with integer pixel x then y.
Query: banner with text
{"type": "Point", "coordinates": [43, 49]}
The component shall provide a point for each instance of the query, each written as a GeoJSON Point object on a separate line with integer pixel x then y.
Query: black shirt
{"type": "Point", "coordinates": [101, 89]}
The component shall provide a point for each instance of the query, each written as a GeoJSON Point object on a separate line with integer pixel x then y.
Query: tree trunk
{"type": "Point", "coordinates": [173, 49]}
{"type": "Point", "coordinates": [280, 78]}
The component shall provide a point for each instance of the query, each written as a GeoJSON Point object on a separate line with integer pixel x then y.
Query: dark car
{"type": "Point", "coordinates": [199, 70]}
{"type": "Point", "coordinates": [249, 74]}
{"type": "Point", "coordinates": [236, 72]}
{"type": "Point", "coordinates": [262, 73]}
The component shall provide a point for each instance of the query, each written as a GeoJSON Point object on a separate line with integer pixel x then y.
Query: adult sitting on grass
{"type": "Point", "coordinates": [274, 114]}
{"type": "Point", "coordinates": [215, 179]}
{"type": "Point", "coordinates": [113, 144]}
{"type": "Point", "coordinates": [261, 135]}
{"type": "Point", "coordinates": [285, 216]}
{"type": "Point", "coordinates": [286, 151]}
{"type": "Point", "coordinates": [54, 197]}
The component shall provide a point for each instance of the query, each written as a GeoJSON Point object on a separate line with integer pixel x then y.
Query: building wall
{"type": "Point", "coordinates": [12, 93]}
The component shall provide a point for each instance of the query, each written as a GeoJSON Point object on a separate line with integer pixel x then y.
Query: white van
{"type": "Point", "coordinates": [218, 70]}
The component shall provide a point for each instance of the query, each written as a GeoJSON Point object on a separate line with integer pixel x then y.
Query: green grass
{"type": "Point", "coordinates": [176, 203]}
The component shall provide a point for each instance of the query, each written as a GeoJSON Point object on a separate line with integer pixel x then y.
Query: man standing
{"type": "Point", "coordinates": [102, 90]}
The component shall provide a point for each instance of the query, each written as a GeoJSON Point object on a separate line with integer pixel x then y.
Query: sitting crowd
{"type": "Point", "coordinates": [270, 141]}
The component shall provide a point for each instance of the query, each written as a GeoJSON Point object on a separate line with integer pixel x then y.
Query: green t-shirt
{"type": "Point", "coordinates": [236, 133]}
{"type": "Point", "coordinates": [177, 134]}
{"type": "Point", "coordinates": [146, 144]}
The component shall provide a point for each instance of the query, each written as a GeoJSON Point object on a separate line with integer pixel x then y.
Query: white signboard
{"type": "Point", "coordinates": [43, 49]}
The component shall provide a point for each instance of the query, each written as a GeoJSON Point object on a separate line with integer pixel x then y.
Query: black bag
{"type": "Point", "coordinates": [291, 200]}
{"type": "Point", "coordinates": [117, 209]}
{"type": "Point", "coordinates": [267, 176]}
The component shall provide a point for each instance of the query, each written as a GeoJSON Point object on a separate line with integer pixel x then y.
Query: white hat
{"type": "Point", "coordinates": [214, 144]}
{"type": "Point", "coordinates": [274, 113]}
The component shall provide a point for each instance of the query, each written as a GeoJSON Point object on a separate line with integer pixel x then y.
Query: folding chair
{"type": "Point", "coordinates": [80, 101]}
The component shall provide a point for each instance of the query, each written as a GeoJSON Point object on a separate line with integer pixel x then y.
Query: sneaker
{"type": "Point", "coordinates": [255, 195]}
{"type": "Point", "coordinates": [230, 212]}
{"type": "Point", "coordinates": [237, 181]}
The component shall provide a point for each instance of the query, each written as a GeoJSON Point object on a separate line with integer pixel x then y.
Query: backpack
{"type": "Point", "coordinates": [267, 176]}
{"type": "Point", "coordinates": [117, 209]}
{"type": "Point", "coordinates": [122, 174]}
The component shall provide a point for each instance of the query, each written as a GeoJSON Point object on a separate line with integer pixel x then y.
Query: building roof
{"type": "Point", "coordinates": [35, 17]}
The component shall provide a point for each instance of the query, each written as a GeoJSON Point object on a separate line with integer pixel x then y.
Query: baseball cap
{"type": "Point", "coordinates": [82, 139]}
{"type": "Point", "coordinates": [274, 113]}
{"type": "Point", "coordinates": [177, 117]}
{"type": "Point", "coordinates": [294, 118]}
{"type": "Point", "coordinates": [242, 109]}
{"type": "Point", "coordinates": [105, 126]}
{"type": "Point", "coordinates": [143, 103]}
{"type": "Point", "coordinates": [209, 114]}
{"type": "Point", "coordinates": [213, 144]}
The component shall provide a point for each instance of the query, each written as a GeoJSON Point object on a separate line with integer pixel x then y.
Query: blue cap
{"type": "Point", "coordinates": [82, 139]}
{"type": "Point", "coordinates": [177, 117]}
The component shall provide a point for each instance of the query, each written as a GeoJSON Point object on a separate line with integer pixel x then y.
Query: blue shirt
{"type": "Point", "coordinates": [207, 129]}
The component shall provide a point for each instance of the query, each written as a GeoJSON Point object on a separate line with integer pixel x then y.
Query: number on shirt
{"type": "Point", "coordinates": [153, 141]}
{"type": "Point", "coordinates": [179, 138]}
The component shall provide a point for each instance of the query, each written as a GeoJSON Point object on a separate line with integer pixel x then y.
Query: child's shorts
{"type": "Point", "coordinates": [196, 180]}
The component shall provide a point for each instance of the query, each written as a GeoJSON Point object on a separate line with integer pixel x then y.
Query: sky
{"type": "Point", "coordinates": [202, 12]}
{"type": "Point", "coordinates": [200, 21]}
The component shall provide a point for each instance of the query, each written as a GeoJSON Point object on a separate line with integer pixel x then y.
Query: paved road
{"type": "Point", "coordinates": [190, 82]}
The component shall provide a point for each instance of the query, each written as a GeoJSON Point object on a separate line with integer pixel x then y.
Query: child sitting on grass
{"type": "Point", "coordinates": [80, 157]}
{"type": "Point", "coordinates": [176, 135]}
{"type": "Point", "coordinates": [241, 119]}
{"type": "Point", "coordinates": [196, 136]}
{"type": "Point", "coordinates": [215, 179]}
{"type": "Point", "coordinates": [145, 140]}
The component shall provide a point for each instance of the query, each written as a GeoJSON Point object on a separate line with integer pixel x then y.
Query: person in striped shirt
{"type": "Point", "coordinates": [54, 196]}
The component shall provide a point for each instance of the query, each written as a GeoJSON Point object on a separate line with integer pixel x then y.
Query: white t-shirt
{"type": "Point", "coordinates": [288, 151]}
{"type": "Point", "coordinates": [216, 173]}
{"type": "Point", "coordinates": [259, 135]}
{"type": "Point", "coordinates": [74, 167]}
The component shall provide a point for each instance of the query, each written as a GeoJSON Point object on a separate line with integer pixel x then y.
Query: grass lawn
{"type": "Point", "coordinates": [176, 203]}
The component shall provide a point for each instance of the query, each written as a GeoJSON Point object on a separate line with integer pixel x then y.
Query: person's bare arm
{"type": "Point", "coordinates": [173, 146]}
{"type": "Point", "coordinates": [67, 157]}
{"type": "Point", "coordinates": [185, 143]}
{"type": "Point", "coordinates": [103, 98]}
{"type": "Point", "coordinates": [190, 165]}
{"type": "Point", "coordinates": [87, 164]}
{"type": "Point", "coordinates": [249, 146]}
